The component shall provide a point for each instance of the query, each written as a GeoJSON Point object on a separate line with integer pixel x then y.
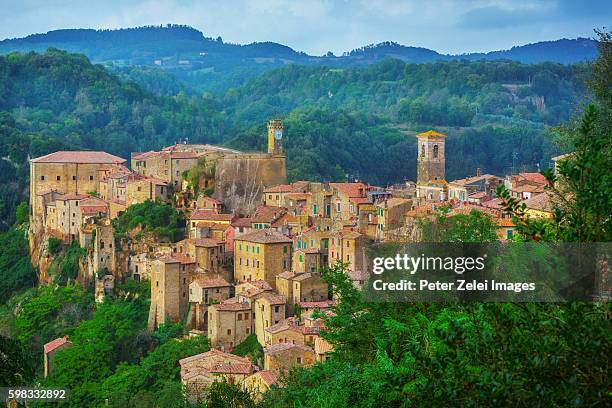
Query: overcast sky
{"type": "Point", "coordinates": [318, 26]}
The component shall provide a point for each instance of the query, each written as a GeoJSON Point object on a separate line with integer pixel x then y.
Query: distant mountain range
{"type": "Point", "coordinates": [179, 44]}
{"type": "Point", "coordinates": [209, 64]}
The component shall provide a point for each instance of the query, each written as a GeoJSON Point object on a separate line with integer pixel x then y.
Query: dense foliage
{"type": "Point", "coordinates": [15, 264]}
{"type": "Point", "coordinates": [157, 218]}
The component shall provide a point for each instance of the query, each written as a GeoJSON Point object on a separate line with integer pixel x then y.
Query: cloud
{"type": "Point", "coordinates": [316, 26]}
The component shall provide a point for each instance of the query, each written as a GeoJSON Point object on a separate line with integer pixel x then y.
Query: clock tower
{"type": "Point", "coordinates": [275, 137]}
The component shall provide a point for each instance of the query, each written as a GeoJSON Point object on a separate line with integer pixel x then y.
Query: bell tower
{"type": "Point", "coordinates": [431, 157]}
{"type": "Point", "coordinates": [275, 136]}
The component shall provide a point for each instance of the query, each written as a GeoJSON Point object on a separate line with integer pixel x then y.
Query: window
{"type": "Point", "coordinates": [285, 249]}
{"type": "Point", "coordinates": [285, 264]}
{"type": "Point", "coordinates": [314, 209]}
{"type": "Point", "coordinates": [73, 177]}
{"type": "Point", "coordinates": [276, 309]}
{"type": "Point", "coordinates": [258, 264]}
{"type": "Point", "coordinates": [58, 178]}
{"type": "Point", "coordinates": [312, 243]}
{"type": "Point", "coordinates": [90, 178]}
{"type": "Point", "coordinates": [509, 234]}
{"type": "Point", "coordinates": [423, 150]}
{"type": "Point", "coordinates": [338, 206]}
{"type": "Point", "coordinates": [229, 332]}
{"type": "Point", "coordinates": [435, 151]}
{"type": "Point", "coordinates": [239, 317]}
{"type": "Point", "coordinates": [42, 178]}
{"type": "Point", "coordinates": [248, 330]}
{"type": "Point", "coordinates": [301, 259]}
{"type": "Point", "coordinates": [299, 360]}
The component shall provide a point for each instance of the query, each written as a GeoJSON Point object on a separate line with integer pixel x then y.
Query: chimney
{"type": "Point", "coordinates": [477, 171]}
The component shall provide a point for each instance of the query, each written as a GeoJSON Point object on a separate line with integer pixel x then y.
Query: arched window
{"type": "Point", "coordinates": [435, 152]}
{"type": "Point", "coordinates": [423, 150]}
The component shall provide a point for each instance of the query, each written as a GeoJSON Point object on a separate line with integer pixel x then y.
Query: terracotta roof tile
{"type": "Point", "coordinates": [52, 345]}
{"type": "Point", "coordinates": [281, 347]}
{"type": "Point", "coordinates": [209, 215]}
{"type": "Point", "coordinates": [431, 133]}
{"type": "Point", "coordinates": [267, 376]}
{"type": "Point", "coordinates": [84, 157]}
{"type": "Point", "coordinates": [265, 236]}
{"type": "Point", "coordinates": [212, 283]}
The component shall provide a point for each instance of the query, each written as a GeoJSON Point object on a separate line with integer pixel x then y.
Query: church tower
{"type": "Point", "coordinates": [275, 137]}
{"type": "Point", "coordinates": [431, 184]}
{"type": "Point", "coordinates": [431, 159]}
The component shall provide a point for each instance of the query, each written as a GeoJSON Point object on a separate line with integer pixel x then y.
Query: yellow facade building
{"type": "Point", "coordinates": [261, 255]}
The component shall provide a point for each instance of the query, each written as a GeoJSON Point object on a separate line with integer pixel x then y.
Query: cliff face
{"type": "Point", "coordinates": [241, 179]}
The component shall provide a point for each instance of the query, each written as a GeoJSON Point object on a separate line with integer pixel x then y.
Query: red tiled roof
{"type": "Point", "coordinates": [265, 236]}
{"type": "Point", "coordinates": [212, 283]}
{"type": "Point", "coordinates": [232, 306]}
{"type": "Point", "coordinates": [274, 299]}
{"type": "Point", "coordinates": [83, 157]}
{"type": "Point", "coordinates": [535, 177]}
{"type": "Point", "coordinates": [322, 346]}
{"type": "Point", "coordinates": [66, 197]}
{"type": "Point", "coordinates": [287, 188]}
{"type": "Point", "coordinates": [281, 347]}
{"type": "Point", "coordinates": [211, 357]}
{"type": "Point", "coordinates": [261, 284]}
{"type": "Point", "coordinates": [267, 376]}
{"type": "Point", "coordinates": [351, 189]}
{"type": "Point", "coordinates": [145, 155]}
{"type": "Point", "coordinates": [52, 345]}
{"type": "Point", "coordinates": [177, 258]}
{"type": "Point", "coordinates": [360, 200]}
{"type": "Point", "coordinates": [241, 222]}
{"type": "Point", "coordinates": [323, 304]}
{"type": "Point", "coordinates": [539, 202]}
{"type": "Point", "coordinates": [267, 214]}
{"type": "Point", "coordinates": [206, 242]}
{"type": "Point", "coordinates": [478, 195]}
{"type": "Point", "coordinates": [209, 215]}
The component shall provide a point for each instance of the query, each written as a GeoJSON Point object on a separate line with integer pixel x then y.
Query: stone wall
{"type": "Point", "coordinates": [241, 178]}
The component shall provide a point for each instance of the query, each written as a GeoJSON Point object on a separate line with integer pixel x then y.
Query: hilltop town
{"type": "Point", "coordinates": [248, 263]}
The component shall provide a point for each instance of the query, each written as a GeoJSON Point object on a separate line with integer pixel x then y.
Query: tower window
{"type": "Point", "coordinates": [423, 150]}
{"type": "Point", "coordinates": [435, 151]}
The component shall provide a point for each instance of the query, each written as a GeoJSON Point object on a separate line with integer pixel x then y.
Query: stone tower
{"type": "Point", "coordinates": [275, 137]}
{"type": "Point", "coordinates": [431, 158]}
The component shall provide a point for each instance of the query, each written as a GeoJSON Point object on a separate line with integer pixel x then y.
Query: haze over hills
{"type": "Point", "coordinates": [141, 44]}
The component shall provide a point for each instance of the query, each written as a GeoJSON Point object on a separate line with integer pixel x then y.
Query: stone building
{"type": "Point", "coordinates": [301, 287]}
{"type": "Point", "coordinates": [431, 182]}
{"type": "Point", "coordinates": [261, 255]}
{"type": "Point", "coordinates": [259, 383]}
{"type": "Point", "coordinates": [391, 214]}
{"type": "Point", "coordinates": [50, 350]}
{"type": "Point", "coordinates": [201, 370]}
{"type": "Point", "coordinates": [67, 172]}
{"type": "Point", "coordinates": [202, 293]}
{"type": "Point", "coordinates": [208, 253]}
{"type": "Point", "coordinates": [280, 358]}
{"type": "Point", "coordinates": [170, 279]}
{"type": "Point", "coordinates": [229, 323]}
{"type": "Point", "coordinates": [268, 309]}
{"type": "Point", "coordinates": [349, 247]}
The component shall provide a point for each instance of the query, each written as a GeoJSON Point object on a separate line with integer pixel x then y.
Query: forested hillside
{"type": "Point", "coordinates": [58, 100]}
{"type": "Point", "coordinates": [355, 122]}
{"type": "Point", "coordinates": [210, 64]}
